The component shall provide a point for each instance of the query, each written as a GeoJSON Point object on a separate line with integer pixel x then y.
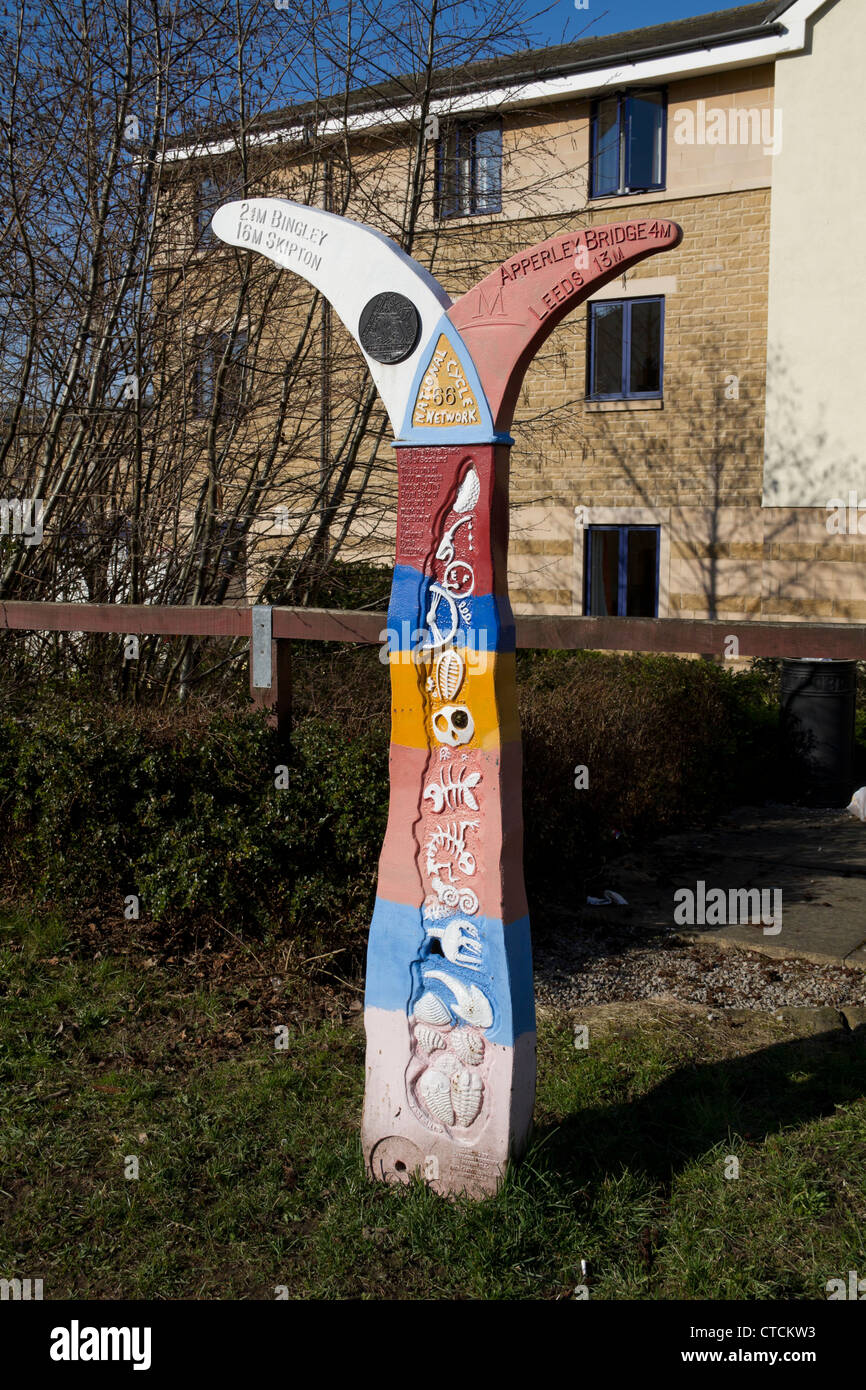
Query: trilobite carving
{"type": "Point", "coordinates": [434, 1091]}
{"type": "Point", "coordinates": [466, 1095]}
{"type": "Point", "coordinates": [428, 1038]}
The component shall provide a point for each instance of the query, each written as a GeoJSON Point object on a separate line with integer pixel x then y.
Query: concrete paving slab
{"type": "Point", "coordinates": [816, 860]}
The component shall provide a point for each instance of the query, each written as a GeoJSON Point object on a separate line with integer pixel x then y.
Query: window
{"type": "Point", "coordinates": [207, 202]}
{"type": "Point", "coordinates": [469, 170]}
{"type": "Point", "coordinates": [626, 338]}
{"type": "Point", "coordinates": [628, 143]}
{"type": "Point", "coordinates": [622, 572]}
{"type": "Point", "coordinates": [230, 545]}
{"type": "Point", "coordinates": [210, 350]}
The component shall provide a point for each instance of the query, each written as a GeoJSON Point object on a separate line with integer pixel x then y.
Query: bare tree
{"type": "Point", "coordinates": [197, 427]}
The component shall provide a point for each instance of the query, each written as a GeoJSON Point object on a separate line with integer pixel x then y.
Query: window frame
{"type": "Point", "coordinates": [623, 529]}
{"type": "Point", "coordinates": [465, 205]}
{"type": "Point", "coordinates": [211, 347]}
{"type": "Point", "coordinates": [625, 366]}
{"type": "Point", "coordinates": [624, 97]}
{"type": "Point", "coordinates": [232, 537]}
{"type": "Point", "coordinates": [204, 233]}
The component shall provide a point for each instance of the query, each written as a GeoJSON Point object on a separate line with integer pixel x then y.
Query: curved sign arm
{"type": "Point", "coordinates": [389, 303]}
{"type": "Point", "coordinates": [506, 317]}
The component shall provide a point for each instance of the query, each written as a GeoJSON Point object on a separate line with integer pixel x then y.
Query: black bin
{"type": "Point", "coordinates": [818, 700]}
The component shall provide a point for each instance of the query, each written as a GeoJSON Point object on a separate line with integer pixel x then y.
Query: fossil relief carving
{"type": "Point", "coordinates": [448, 1089]}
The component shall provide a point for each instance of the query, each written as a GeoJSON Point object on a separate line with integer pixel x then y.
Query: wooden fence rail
{"type": "Point", "coordinates": [271, 630]}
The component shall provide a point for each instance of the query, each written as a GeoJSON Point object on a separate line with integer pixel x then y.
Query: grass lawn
{"type": "Point", "coordinates": [250, 1171]}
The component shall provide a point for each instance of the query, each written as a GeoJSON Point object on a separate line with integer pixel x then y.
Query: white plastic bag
{"type": "Point", "coordinates": [610, 899]}
{"type": "Point", "coordinates": [858, 804]}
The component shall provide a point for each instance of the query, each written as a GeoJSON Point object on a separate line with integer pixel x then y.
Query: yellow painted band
{"type": "Point", "coordinates": [487, 694]}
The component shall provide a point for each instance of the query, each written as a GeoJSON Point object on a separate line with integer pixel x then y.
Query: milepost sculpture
{"type": "Point", "coordinates": [449, 1015]}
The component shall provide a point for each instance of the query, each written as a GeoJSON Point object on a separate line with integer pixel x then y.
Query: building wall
{"type": "Point", "coordinates": [699, 467]}
{"type": "Point", "coordinates": [692, 463]}
{"type": "Point", "coordinates": [699, 452]}
{"type": "Point", "coordinates": [816, 405]}
{"type": "Point", "coordinates": [762, 167]}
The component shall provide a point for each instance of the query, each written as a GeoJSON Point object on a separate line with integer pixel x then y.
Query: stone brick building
{"type": "Point", "coordinates": [690, 443]}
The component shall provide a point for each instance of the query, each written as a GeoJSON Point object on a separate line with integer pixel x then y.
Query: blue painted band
{"type": "Point", "coordinates": [489, 626]}
{"type": "Point", "coordinates": [400, 952]}
{"type": "Point", "coordinates": [461, 434]}
{"type": "Point", "coordinates": [442, 436]}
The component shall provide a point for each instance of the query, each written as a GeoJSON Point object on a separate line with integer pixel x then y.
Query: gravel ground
{"type": "Point", "coordinates": [605, 964]}
{"type": "Point", "coordinates": [616, 955]}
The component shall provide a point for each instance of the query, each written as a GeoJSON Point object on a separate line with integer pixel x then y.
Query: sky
{"type": "Point", "coordinates": [564, 22]}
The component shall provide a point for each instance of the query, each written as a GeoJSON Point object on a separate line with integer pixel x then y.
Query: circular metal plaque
{"type": "Point", "coordinates": [389, 327]}
{"type": "Point", "coordinates": [394, 1159]}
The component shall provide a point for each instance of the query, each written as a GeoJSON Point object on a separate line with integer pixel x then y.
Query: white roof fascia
{"type": "Point", "coordinates": [711, 58]}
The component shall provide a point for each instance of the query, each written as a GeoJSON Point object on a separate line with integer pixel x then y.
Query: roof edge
{"type": "Point", "coordinates": [761, 42]}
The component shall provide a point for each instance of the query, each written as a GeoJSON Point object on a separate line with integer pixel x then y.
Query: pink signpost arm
{"type": "Point", "coordinates": [449, 1014]}
{"type": "Point", "coordinates": [505, 318]}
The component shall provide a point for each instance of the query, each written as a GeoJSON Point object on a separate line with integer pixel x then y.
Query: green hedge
{"type": "Point", "coordinates": [97, 802]}
{"type": "Point", "coordinates": [666, 742]}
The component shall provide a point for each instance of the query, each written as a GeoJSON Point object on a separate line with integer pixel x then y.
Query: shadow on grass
{"type": "Point", "coordinates": [700, 1106]}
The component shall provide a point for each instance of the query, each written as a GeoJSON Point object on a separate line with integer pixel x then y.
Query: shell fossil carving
{"type": "Point", "coordinates": [431, 1009]}
{"type": "Point", "coordinates": [466, 1095]}
{"type": "Point", "coordinates": [470, 1003]}
{"type": "Point", "coordinates": [435, 1091]}
{"type": "Point", "coordinates": [468, 1046]}
{"type": "Point", "coordinates": [468, 492]}
{"type": "Point", "coordinates": [445, 1062]}
{"type": "Point", "coordinates": [428, 1037]}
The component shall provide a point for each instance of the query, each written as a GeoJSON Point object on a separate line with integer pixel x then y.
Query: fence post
{"type": "Point", "coordinates": [270, 670]}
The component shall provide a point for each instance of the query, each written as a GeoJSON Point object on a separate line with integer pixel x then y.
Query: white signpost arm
{"type": "Point", "coordinates": [374, 286]}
